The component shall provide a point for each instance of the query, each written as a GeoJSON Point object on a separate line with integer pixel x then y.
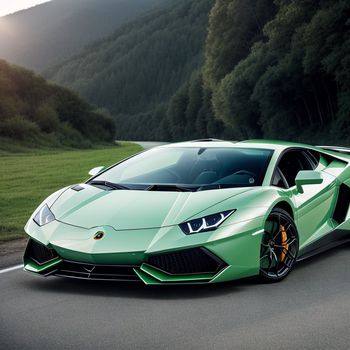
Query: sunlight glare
{"type": "Point", "coordinates": [7, 7]}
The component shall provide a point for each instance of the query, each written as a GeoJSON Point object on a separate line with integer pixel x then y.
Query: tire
{"type": "Point", "coordinates": [279, 246]}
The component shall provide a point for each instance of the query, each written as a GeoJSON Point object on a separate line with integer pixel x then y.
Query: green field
{"type": "Point", "coordinates": [27, 178]}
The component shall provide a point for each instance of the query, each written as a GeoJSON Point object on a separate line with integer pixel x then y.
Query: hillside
{"type": "Point", "coordinates": [294, 83]}
{"type": "Point", "coordinates": [35, 113]}
{"type": "Point", "coordinates": [143, 63]}
{"type": "Point", "coordinates": [272, 69]}
{"type": "Point", "coordinates": [51, 32]}
{"type": "Point", "coordinates": [258, 68]}
{"type": "Point", "coordinates": [233, 28]}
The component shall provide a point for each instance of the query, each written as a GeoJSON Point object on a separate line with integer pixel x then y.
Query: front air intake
{"type": "Point", "coordinates": [73, 269]}
{"type": "Point", "coordinates": [187, 262]}
{"type": "Point", "coordinates": [39, 253]}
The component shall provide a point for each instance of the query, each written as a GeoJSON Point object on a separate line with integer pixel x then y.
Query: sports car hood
{"type": "Point", "coordinates": [131, 209]}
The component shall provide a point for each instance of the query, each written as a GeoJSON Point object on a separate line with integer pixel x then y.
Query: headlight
{"type": "Point", "coordinates": [44, 216]}
{"type": "Point", "coordinates": [207, 223]}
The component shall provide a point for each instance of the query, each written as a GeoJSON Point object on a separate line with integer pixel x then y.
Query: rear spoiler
{"type": "Point", "coordinates": [343, 150]}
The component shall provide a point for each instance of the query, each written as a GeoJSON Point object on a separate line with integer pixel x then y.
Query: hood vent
{"type": "Point", "coordinates": [77, 188]}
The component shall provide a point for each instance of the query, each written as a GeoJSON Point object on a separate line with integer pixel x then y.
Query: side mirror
{"type": "Point", "coordinates": [307, 177]}
{"type": "Point", "coordinates": [96, 170]}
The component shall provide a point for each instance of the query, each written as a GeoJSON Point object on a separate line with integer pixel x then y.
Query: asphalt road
{"type": "Point", "coordinates": [309, 310]}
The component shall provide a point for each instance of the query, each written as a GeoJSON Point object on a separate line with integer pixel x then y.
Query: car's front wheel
{"type": "Point", "coordinates": [279, 246]}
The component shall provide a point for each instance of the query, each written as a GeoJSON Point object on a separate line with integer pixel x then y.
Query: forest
{"type": "Point", "coordinates": [143, 63]}
{"type": "Point", "coordinates": [229, 69]}
{"type": "Point", "coordinates": [34, 113]}
{"type": "Point", "coordinates": [294, 82]}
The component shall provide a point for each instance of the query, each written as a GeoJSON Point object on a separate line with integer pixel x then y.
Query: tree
{"type": "Point", "coordinates": [234, 26]}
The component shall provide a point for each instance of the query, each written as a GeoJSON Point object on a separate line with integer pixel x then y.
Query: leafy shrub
{"type": "Point", "coordinates": [19, 128]}
{"type": "Point", "coordinates": [31, 109]}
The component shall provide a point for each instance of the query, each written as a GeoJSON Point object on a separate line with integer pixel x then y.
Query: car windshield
{"type": "Point", "coordinates": [191, 168]}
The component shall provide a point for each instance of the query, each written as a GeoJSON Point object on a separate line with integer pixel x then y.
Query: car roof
{"type": "Point", "coordinates": [263, 144]}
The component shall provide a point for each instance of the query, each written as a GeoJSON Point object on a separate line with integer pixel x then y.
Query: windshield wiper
{"type": "Point", "coordinates": [109, 184]}
{"type": "Point", "coordinates": [209, 187]}
{"type": "Point", "coordinates": [218, 186]}
{"type": "Point", "coordinates": [173, 188]}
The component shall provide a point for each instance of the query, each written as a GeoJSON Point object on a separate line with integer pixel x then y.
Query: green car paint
{"type": "Point", "coordinates": [31, 266]}
{"type": "Point", "coordinates": [164, 277]}
{"type": "Point", "coordinates": [138, 224]}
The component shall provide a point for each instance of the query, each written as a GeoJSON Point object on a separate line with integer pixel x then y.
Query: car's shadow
{"type": "Point", "coordinates": [162, 292]}
{"type": "Point", "coordinates": [328, 254]}
{"type": "Point", "coordinates": [134, 289]}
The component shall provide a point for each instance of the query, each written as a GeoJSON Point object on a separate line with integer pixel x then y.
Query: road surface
{"type": "Point", "coordinates": [309, 310]}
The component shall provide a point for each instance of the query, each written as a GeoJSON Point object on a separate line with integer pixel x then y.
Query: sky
{"type": "Point", "coordinates": [10, 6]}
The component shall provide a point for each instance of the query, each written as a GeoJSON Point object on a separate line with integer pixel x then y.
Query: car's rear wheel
{"type": "Point", "coordinates": [279, 246]}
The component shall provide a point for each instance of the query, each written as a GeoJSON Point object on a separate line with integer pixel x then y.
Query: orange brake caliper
{"type": "Point", "coordinates": [284, 242]}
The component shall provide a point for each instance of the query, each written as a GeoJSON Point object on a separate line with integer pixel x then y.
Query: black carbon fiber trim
{"type": "Point", "coordinates": [343, 204]}
{"type": "Point", "coordinates": [39, 253]}
{"type": "Point", "coordinates": [187, 262]}
{"type": "Point", "coordinates": [72, 269]}
{"type": "Point", "coordinates": [329, 241]}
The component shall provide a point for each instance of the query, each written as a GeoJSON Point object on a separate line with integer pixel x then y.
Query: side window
{"type": "Point", "coordinates": [278, 180]}
{"type": "Point", "coordinates": [314, 158]}
{"type": "Point", "coordinates": [291, 163]}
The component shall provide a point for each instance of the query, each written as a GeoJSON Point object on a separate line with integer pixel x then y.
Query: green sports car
{"type": "Point", "coordinates": [203, 211]}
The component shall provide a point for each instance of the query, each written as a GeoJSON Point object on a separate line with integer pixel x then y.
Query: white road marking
{"type": "Point", "coordinates": [17, 267]}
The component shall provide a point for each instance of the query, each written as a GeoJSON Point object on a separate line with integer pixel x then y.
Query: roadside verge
{"type": "Point", "coordinates": [11, 252]}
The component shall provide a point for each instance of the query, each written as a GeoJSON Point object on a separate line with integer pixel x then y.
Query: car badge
{"type": "Point", "coordinates": [98, 235]}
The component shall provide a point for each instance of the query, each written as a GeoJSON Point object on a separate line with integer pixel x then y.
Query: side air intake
{"type": "Point", "coordinates": [343, 204]}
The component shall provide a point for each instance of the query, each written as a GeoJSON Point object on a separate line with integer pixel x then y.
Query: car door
{"type": "Point", "coordinates": [314, 205]}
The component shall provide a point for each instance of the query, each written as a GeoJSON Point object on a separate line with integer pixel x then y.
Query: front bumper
{"type": "Point", "coordinates": [189, 265]}
{"type": "Point", "coordinates": [154, 256]}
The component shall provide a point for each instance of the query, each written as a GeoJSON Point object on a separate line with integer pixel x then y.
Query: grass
{"type": "Point", "coordinates": [27, 178]}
